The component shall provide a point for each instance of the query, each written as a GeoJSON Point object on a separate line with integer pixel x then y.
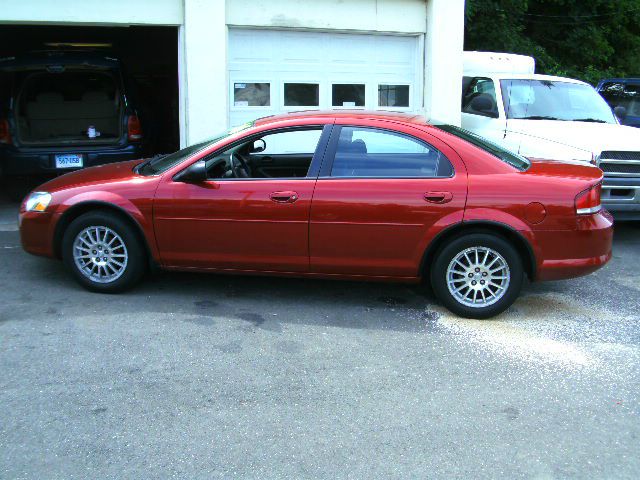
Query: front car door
{"type": "Point", "coordinates": [384, 192]}
{"type": "Point", "coordinates": [244, 219]}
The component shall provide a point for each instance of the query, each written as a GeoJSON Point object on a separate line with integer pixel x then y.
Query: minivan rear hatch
{"type": "Point", "coordinates": [61, 100]}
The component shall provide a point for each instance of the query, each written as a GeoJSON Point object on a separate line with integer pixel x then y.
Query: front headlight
{"type": "Point", "coordinates": [38, 202]}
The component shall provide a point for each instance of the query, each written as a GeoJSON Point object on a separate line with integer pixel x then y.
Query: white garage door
{"type": "Point", "coordinates": [273, 71]}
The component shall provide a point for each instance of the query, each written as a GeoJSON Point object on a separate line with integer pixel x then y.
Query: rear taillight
{"type": "Point", "coordinates": [588, 202]}
{"type": "Point", "coordinates": [134, 130]}
{"type": "Point", "coordinates": [5, 135]}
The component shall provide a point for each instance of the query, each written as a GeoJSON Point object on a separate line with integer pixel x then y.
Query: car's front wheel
{"type": "Point", "coordinates": [477, 275]}
{"type": "Point", "coordinates": [103, 252]}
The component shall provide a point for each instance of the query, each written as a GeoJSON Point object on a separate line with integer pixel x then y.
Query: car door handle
{"type": "Point", "coordinates": [284, 197]}
{"type": "Point", "coordinates": [438, 197]}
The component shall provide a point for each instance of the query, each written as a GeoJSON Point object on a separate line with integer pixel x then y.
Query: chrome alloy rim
{"type": "Point", "coordinates": [478, 277]}
{"type": "Point", "coordinates": [100, 254]}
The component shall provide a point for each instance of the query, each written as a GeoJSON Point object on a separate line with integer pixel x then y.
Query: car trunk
{"type": "Point", "coordinates": [69, 107]}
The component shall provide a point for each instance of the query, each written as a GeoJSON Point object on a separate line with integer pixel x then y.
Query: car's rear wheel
{"type": "Point", "coordinates": [477, 275]}
{"type": "Point", "coordinates": [103, 252]}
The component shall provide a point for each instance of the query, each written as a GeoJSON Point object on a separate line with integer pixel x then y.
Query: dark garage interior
{"type": "Point", "coordinates": [149, 57]}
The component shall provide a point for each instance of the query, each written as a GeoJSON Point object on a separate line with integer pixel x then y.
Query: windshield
{"type": "Point", "coordinates": [554, 100]}
{"type": "Point", "coordinates": [503, 154]}
{"type": "Point", "coordinates": [162, 163]}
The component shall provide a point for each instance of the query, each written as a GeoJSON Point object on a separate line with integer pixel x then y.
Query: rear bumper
{"type": "Point", "coordinates": [621, 196]}
{"type": "Point", "coordinates": [575, 253]}
{"type": "Point", "coordinates": [41, 161]}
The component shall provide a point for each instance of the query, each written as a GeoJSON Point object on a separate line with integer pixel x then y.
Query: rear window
{"type": "Point", "coordinates": [507, 156]}
{"type": "Point", "coordinates": [69, 86]}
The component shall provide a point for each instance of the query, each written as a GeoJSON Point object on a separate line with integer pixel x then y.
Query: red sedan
{"type": "Point", "coordinates": [357, 195]}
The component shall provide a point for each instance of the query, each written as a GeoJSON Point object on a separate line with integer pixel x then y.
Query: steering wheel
{"type": "Point", "coordinates": [239, 166]}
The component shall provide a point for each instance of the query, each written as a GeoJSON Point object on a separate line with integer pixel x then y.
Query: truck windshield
{"type": "Point", "coordinates": [507, 156]}
{"type": "Point", "coordinates": [554, 100]}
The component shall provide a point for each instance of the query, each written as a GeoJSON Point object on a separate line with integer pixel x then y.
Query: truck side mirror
{"type": "Point", "coordinates": [194, 173]}
{"type": "Point", "coordinates": [620, 112]}
{"type": "Point", "coordinates": [484, 104]}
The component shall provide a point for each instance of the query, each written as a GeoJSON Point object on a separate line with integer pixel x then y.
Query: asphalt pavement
{"type": "Point", "coordinates": [206, 376]}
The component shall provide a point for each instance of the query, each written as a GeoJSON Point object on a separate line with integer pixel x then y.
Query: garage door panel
{"type": "Point", "coordinates": [323, 58]}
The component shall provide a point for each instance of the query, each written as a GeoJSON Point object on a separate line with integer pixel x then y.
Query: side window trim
{"type": "Point", "coordinates": [317, 159]}
{"type": "Point", "coordinates": [332, 147]}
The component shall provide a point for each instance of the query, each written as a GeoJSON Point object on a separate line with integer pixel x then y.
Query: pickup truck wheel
{"type": "Point", "coordinates": [103, 252]}
{"type": "Point", "coordinates": [477, 275]}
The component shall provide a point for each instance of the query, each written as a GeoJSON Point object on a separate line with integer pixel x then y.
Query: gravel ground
{"type": "Point", "coordinates": [198, 376]}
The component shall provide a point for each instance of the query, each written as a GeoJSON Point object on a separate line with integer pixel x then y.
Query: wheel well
{"type": "Point", "coordinates": [516, 239]}
{"type": "Point", "coordinates": [82, 208]}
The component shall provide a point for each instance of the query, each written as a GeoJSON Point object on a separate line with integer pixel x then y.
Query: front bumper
{"type": "Point", "coordinates": [575, 253]}
{"type": "Point", "coordinates": [36, 232]}
{"type": "Point", "coordinates": [621, 196]}
{"type": "Point", "coordinates": [41, 161]}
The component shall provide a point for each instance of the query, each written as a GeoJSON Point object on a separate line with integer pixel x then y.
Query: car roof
{"type": "Point", "coordinates": [327, 116]}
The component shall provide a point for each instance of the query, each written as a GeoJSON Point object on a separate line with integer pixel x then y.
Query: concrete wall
{"type": "Point", "coordinates": [87, 12]}
{"type": "Point", "coordinates": [204, 70]}
{"type": "Point", "coordinates": [401, 16]}
{"type": "Point", "coordinates": [444, 45]}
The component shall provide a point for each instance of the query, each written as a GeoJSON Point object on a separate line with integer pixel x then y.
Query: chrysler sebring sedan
{"type": "Point", "coordinates": [350, 195]}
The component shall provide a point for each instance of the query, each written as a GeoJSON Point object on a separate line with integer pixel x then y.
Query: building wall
{"type": "Point", "coordinates": [114, 12]}
{"type": "Point", "coordinates": [398, 16]}
{"type": "Point", "coordinates": [204, 40]}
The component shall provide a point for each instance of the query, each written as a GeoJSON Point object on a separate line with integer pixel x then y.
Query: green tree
{"type": "Point", "coordinates": [586, 39]}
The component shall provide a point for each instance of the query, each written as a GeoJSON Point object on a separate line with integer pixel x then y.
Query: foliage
{"type": "Point", "coordinates": [586, 39]}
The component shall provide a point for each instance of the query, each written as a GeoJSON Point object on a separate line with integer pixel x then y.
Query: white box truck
{"type": "Point", "coordinates": [554, 118]}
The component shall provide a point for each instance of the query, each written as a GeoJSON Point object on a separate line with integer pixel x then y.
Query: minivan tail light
{"type": "Point", "coordinates": [588, 201]}
{"type": "Point", "coordinates": [5, 135]}
{"type": "Point", "coordinates": [134, 129]}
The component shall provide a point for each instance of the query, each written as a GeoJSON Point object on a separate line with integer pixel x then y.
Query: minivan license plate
{"type": "Point", "coordinates": [68, 161]}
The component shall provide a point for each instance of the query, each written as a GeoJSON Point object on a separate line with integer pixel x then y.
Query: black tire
{"type": "Point", "coordinates": [137, 258]}
{"type": "Point", "coordinates": [444, 258]}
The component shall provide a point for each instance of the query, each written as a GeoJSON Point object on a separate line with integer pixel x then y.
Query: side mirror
{"type": "Point", "coordinates": [195, 173]}
{"type": "Point", "coordinates": [483, 104]}
{"type": "Point", "coordinates": [258, 146]}
{"type": "Point", "coordinates": [620, 112]}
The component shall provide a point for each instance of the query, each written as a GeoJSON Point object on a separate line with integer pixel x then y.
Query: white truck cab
{"type": "Point", "coordinates": [555, 118]}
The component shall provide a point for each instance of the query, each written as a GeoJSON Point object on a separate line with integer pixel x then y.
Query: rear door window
{"type": "Point", "coordinates": [371, 152]}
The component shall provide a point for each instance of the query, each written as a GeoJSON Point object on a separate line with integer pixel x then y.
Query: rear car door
{"type": "Point", "coordinates": [383, 193]}
{"type": "Point", "coordinates": [255, 223]}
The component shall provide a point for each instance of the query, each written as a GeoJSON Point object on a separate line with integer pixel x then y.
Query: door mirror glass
{"type": "Point", "coordinates": [195, 173]}
{"type": "Point", "coordinates": [483, 104]}
{"type": "Point", "coordinates": [258, 146]}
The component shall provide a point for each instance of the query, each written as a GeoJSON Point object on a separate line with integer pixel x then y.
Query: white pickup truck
{"type": "Point", "coordinates": [541, 116]}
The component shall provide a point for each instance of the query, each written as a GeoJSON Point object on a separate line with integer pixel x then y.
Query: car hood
{"type": "Point", "coordinates": [593, 137]}
{"type": "Point", "coordinates": [102, 174]}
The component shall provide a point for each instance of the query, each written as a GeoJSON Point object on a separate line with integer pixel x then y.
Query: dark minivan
{"type": "Point", "coordinates": [623, 92]}
{"type": "Point", "coordinates": [61, 111]}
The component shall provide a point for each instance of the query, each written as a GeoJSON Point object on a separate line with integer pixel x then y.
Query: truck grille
{"type": "Point", "coordinates": [620, 164]}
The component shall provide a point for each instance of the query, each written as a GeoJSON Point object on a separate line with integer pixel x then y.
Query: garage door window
{"type": "Point", "coordinates": [301, 95]}
{"type": "Point", "coordinates": [366, 152]}
{"type": "Point", "coordinates": [347, 94]}
{"type": "Point", "coordinates": [393, 96]}
{"type": "Point", "coordinates": [251, 94]}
